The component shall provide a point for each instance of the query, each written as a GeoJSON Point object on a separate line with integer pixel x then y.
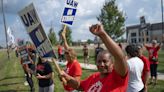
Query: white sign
{"type": "Point", "coordinates": [69, 12]}
{"type": "Point", "coordinates": [35, 30]}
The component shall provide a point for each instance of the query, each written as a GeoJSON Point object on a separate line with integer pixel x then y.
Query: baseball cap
{"type": "Point", "coordinates": [154, 41]}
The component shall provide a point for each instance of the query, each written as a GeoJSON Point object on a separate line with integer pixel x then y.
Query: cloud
{"type": "Point", "coordinates": [13, 6]}
{"type": "Point", "coordinates": [50, 12]}
{"type": "Point", "coordinates": [141, 12]}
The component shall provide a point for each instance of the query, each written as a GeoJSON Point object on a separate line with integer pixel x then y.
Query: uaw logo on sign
{"type": "Point", "coordinates": [36, 32]}
{"type": "Point", "coordinates": [69, 12]}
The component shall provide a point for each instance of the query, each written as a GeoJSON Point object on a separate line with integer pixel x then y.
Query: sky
{"type": "Point", "coordinates": [50, 12]}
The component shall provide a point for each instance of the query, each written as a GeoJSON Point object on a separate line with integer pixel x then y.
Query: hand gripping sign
{"type": "Point", "coordinates": [36, 32]}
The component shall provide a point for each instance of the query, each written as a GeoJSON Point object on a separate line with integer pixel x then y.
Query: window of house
{"type": "Point", "coordinates": [147, 33]}
{"type": "Point", "coordinates": [133, 40]}
{"type": "Point", "coordinates": [133, 34]}
{"type": "Point", "coordinates": [147, 39]}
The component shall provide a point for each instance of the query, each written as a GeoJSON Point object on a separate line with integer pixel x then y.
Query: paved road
{"type": "Point", "coordinates": [93, 67]}
{"type": "Point", "coordinates": [161, 76]}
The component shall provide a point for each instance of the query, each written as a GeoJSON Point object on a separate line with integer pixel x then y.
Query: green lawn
{"type": "Point", "coordinates": [12, 76]}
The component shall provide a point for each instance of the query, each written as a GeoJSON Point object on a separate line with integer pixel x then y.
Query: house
{"type": "Point", "coordinates": [152, 31]}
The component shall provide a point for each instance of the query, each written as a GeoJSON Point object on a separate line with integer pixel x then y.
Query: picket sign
{"type": "Point", "coordinates": [69, 12]}
{"type": "Point", "coordinates": [23, 52]}
{"type": "Point", "coordinates": [37, 34]}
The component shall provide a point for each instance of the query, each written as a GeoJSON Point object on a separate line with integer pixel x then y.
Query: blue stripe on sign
{"type": "Point", "coordinates": [50, 54]}
{"type": "Point", "coordinates": [65, 13]}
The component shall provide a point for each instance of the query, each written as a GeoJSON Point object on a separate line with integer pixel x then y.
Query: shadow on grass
{"type": "Point", "coordinates": [7, 84]}
{"type": "Point", "coordinates": [15, 91]}
{"type": "Point", "coordinates": [11, 77]}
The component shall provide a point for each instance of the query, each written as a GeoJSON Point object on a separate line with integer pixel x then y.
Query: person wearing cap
{"type": "Point", "coordinates": [153, 58]}
{"type": "Point", "coordinates": [73, 67]}
{"type": "Point", "coordinates": [146, 69]}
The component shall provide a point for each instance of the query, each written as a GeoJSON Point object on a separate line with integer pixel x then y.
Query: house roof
{"type": "Point", "coordinates": [156, 26]}
{"type": "Point", "coordinates": [153, 27]}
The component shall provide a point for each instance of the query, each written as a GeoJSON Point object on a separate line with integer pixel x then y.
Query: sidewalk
{"type": "Point", "coordinates": [160, 76]}
{"type": "Point", "coordinates": [93, 67]}
{"type": "Point", "coordinates": [84, 66]}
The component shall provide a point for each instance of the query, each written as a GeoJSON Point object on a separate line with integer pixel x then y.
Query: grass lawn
{"type": "Point", "coordinates": [12, 76]}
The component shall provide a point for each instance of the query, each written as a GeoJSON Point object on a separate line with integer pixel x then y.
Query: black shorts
{"type": "Point", "coordinates": [153, 70]}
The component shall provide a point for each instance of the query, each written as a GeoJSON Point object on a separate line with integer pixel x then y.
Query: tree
{"type": "Point", "coordinates": [68, 35]}
{"type": "Point", "coordinates": [52, 36]}
{"type": "Point", "coordinates": [112, 19]}
{"type": "Point", "coordinates": [89, 41]}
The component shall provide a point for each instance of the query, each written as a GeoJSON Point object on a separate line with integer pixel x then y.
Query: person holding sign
{"type": "Point", "coordinates": [112, 75]}
{"type": "Point", "coordinates": [44, 75]}
{"type": "Point", "coordinates": [73, 67]}
{"type": "Point", "coordinates": [25, 53]}
{"type": "Point", "coordinates": [153, 58]}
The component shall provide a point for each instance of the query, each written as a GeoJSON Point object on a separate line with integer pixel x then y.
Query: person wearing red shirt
{"type": "Point", "coordinates": [73, 67]}
{"type": "Point", "coordinates": [60, 53]}
{"type": "Point", "coordinates": [112, 75]}
{"type": "Point", "coordinates": [146, 69]}
{"type": "Point", "coordinates": [26, 55]}
{"type": "Point", "coordinates": [153, 58]}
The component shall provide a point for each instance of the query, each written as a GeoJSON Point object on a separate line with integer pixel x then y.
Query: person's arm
{"type": "Point", "coordinates": [66, 46]}
{"type": "Point", "coordinates": [48, 76]}
{"type": "Point", "coordinates": [145, 45]}
{"type": "Point", "coordinates": [160, 44]}
{"type": "Point", "coordinates": [144, 42]}
{"type": "Point", "coordinates": [71, 81]}
{"type": "Point", "coordinates": [120, 62]}
{"type": "Point", "coordinates": [146, 81]}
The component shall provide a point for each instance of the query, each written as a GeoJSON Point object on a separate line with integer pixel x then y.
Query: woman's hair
{"type": "Point", "coordinates": [132, 50]}
{"type": "Point", "coordinates": [71, 53]}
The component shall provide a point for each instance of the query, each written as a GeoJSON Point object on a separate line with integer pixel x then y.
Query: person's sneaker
{"type": "Point", "coordinates": [26, 83]}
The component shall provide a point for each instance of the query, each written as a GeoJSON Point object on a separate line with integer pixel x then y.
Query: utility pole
{"type": "Point", "coordinates": [162, 23]}
{"type": "Point", "coordinates": [5, 30]}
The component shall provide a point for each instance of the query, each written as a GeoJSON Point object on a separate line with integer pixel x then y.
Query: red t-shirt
{"type": "Point", "coordinates": [153, 52]}
{"type": "Point", "coordinates": [146, 66]}
{"type": "Point", "coordinates": [112, 83]}
{"type": "Point", "coordinates": [73, 69]}
{"type": "Point", "coordinates": [60, 50]}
